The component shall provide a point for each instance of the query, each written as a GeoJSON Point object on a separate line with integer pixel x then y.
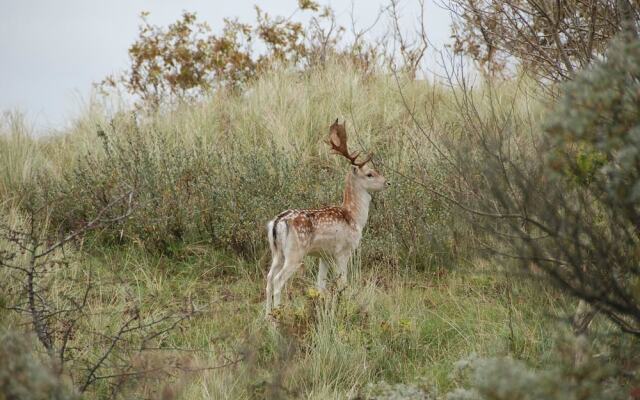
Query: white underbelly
{"type": "Point", "coordinates": [333, 242]}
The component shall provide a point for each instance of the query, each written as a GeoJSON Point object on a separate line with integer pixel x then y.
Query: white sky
{"type": "Point", "coordinates": [51, 51]}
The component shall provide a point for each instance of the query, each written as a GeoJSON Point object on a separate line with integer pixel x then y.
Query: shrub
{"type": "Point", "coordinates": [24, 376]}
{"type": "Point", "coordinates": [186, 60]}
{"type": "Point", "coordinates": [223, 193]}
{"type": "Point", "coordinates": [508, 379]}
{"type": "Point", "coordinates": [398, 391]}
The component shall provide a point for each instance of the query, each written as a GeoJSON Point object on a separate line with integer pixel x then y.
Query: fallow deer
{"type": "Point", "coordinates": [330, 233]}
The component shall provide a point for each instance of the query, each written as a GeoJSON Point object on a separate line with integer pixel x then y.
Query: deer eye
{"type": "Point", "coordinates": [370, 175]}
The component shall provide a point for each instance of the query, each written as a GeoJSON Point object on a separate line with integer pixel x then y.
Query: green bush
{"type": "Point", "coordinates": [24, 376]}
{"type": "Point", "coordinates": [399, 391]}
{"type": "Point", "coordinates": [508, 379]}
{"type": "Point", "coordinates": [217, 193]}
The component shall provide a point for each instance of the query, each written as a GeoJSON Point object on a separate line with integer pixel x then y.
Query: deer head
{"type": "Point", "coordinates": [364, 176]}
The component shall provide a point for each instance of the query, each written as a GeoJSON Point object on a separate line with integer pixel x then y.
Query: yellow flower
{"type": "Point", "coordinates": [405, 324]}
{"type": "Point", "coordinates": [313, 293]}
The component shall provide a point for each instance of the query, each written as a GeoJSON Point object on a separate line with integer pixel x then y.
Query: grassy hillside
{"type": "Point", "coordinates": [207, 177]}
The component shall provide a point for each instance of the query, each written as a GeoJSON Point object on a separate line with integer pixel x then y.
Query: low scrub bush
{"type": "Point", "coordinates": [23, 375]}
{"type": "Point", "coordinates": [506, 379]}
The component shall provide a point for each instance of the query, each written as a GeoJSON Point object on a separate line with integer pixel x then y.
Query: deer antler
{"type": "Point", "coordinates": [338, 143]}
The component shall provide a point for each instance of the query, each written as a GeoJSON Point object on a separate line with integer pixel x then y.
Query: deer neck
{"type": "Point", "coordinates": [356, 201]}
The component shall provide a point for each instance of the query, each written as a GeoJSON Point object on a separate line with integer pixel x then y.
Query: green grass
{"type": "Point", "coordinates": [396, 327]}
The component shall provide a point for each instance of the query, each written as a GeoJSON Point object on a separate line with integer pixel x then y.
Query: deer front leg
{"type": "Point", "coordinates": [322, 275]}
{"type": "Point", "coordinates": [342, 262]}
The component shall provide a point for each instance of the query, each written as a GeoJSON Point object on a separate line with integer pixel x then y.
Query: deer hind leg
{"type": "Point", "coordinates": [292, 261]}
{"type": "Point", "coordinates": [276, 266]}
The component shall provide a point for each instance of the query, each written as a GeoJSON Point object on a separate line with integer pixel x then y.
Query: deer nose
{"type": "Point", "coordinates": [388, 183]}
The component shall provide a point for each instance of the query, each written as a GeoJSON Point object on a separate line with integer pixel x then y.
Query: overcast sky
{"type": "Point", "coordinates": [52, 51]}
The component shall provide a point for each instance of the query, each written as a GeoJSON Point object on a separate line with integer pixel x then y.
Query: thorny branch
{"type": "Point", "coordinates": [56, 318]}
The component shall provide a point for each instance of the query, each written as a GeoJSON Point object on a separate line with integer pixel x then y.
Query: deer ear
{"type": "Point", "coordinates": [334, 127]}
{"type": "Point", "coordinates": [354, 169]}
